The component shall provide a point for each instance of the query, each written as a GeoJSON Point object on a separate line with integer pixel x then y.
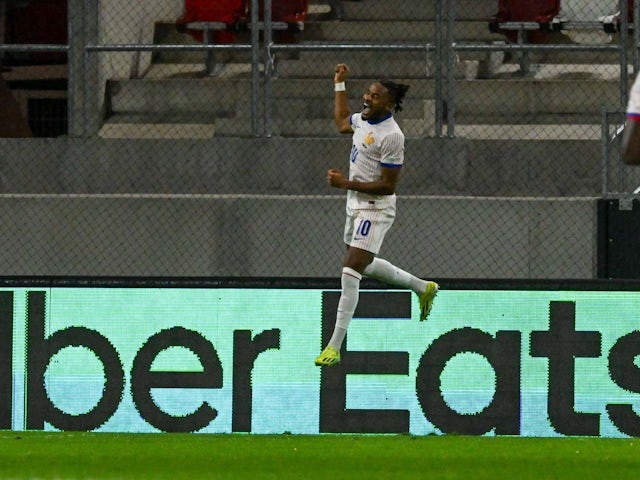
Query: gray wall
{"type": "Point", "coordinates": [260, 207]}
{"type": "Point", "coordinates": [294, 166]}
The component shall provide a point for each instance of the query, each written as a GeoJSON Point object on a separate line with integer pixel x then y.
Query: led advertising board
{"type": "Point", "coordinates": [541, 362]}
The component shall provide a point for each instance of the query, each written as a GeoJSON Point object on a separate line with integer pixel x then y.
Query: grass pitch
{"type": "Point", "coordinates": [40, 455]}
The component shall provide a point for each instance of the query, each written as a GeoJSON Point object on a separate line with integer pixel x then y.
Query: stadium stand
{"type": "Point", "coordinates": [172, 93]}
{"type": "Point", "coordinates": [584, 21]}
{"type": "Point", "coordinates": [501, 103]}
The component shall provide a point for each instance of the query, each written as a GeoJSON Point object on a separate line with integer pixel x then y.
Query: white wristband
{"type": "Point", "coordinates": [339, 87]}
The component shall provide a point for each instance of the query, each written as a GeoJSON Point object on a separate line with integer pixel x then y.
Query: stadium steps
{"type": "Point", "coordinates": [298, 102]}
{"type": "Point", "coordinates": [354, 10]}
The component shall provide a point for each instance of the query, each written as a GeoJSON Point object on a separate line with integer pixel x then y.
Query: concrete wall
{"type": "Point", "coordinates": [295, 166]}
{"type": "Point", "coordinates": [260, 207]}
{"type": "Point", "coordinates": [283, 236]}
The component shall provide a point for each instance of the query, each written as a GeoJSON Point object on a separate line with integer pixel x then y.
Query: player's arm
{"type": "Point", "coordinates": [341, 111]}
{"type": "Point", "coordinates": [385, 186]}
{"type": "Point", "coordinates": [631, 141]}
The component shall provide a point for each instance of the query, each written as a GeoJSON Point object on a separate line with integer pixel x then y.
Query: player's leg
{"type": "Point", "coordinates": [350, 282]}
{"type": "Point", "coordinates": [386, 272]}
{"type": "Point", "coordinates": [359, 230]}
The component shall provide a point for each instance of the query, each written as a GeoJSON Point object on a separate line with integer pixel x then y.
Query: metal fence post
{"type": "Point", "coordinates": [624, 42]}
{"type": "Point", "coordinates": [635, 35]}
{"type": "Point", "coordinates": [76, 70]}
{"type": "Point", "coordinates": [268, 66]}
{"type": "Point", "coordinates": [255, 62]}
{"type": "Point", "coordinates": [439, 103]}
{"type": "Point", "coordinates": [451, 65]}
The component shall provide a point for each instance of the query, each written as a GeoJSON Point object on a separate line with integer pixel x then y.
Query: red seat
{"type": "Point", "coordinates": [37, 22]}
{"type": "Point", "coordinates": [227, 12]}
{"type": "Point", "coordinates": [541, 12]}
{"type": "Point", "coordinates": [293, 13]}
{"type": "Point", "coordinates": [289, 11]}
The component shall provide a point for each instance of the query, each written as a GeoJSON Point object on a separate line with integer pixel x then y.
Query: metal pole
{"type": "Point", "coordinates": [604, 152]}
{"type": "Point", "coordinates": [439, 110]}
{"type": "Point", "coordinates": [255, 68]}
{"type": "Point", "coordinates": [76, 91]}
{"type": "Point", "coordinates": [451, 54]}
{"type": "Point", "coordinates": [94, 77]}
{"type": "Point", "coordinates": [3, 12]}
{"type": "Point", "coordinates": [523, 57]}
{"type": "Point", "coordinates": [268, 66]}
{"type": "Point", "coordinates": [624, 42]}
{"type": "Point", "coordinates": [635, 35]}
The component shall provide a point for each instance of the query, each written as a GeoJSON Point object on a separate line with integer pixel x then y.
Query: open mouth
{"type": "Point", "coordinates": [366, 109]}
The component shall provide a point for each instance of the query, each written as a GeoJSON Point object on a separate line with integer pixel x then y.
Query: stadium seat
{"type": "Point", "coordinates": [292, 12]}
{"type": "Point", "coordinates": [585, 21]}
{"type": "Point", "coordinates": [220, 21]}
{"type": "Point", "coordinates": [288, 17]}
{"type": "Point", "coordinates": [528, 18]}
{"type": "Point", "coordinates": [220, 16]}
{"type": "Point", "coordinates": [212, 22]}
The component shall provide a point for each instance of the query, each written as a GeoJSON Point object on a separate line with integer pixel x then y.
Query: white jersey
{"type": "Point", "coordinates": [633, 107]}
{"type": "Point", "coordinates": [375, 145]}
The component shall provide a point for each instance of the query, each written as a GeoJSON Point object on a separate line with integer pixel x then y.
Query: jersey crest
{"type": "Point", "coordinates": [368, 140]}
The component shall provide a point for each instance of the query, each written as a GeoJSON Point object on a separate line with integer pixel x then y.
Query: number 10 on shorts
{"type": "Point", "coordinates": [364, 227]}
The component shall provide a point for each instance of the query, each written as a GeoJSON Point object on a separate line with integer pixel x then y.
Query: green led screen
{"type": "Point", "coordinates": [221, 360]}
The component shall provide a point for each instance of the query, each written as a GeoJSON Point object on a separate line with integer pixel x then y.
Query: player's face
{"type": "Point", "coordinates": [377, 102]}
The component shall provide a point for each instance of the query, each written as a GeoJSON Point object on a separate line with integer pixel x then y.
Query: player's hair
{"type": "Point", "coordinates": [397, 91]}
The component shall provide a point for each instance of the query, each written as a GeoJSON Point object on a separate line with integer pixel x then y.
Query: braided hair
{"type": "Point", "coordinates": [397, 92]}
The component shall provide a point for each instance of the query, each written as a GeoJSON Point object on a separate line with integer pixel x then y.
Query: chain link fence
{"type": "Point", "coordinates": [183, 138]}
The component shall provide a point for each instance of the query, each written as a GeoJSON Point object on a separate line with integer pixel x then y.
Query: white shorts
{"type": "Point", "coordinates": [365, 229]}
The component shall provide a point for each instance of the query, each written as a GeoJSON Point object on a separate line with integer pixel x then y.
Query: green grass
{"type": "Point", "coordinates": [193, 456]}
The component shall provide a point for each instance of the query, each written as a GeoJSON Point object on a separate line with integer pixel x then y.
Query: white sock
{"type": "Point", "coordinates": [384, 271]}
{"type": "Point", "coordinates": [346, 306]}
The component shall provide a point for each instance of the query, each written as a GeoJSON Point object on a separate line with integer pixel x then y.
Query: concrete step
{"type": "Point", "coordinates": [333, 31]}
{"type": "Point", "coordinates": [120, 128]}
{"type": "Point", "coordinates": [413, 108]}
{"type": "Point", "coordinates": [150, 126]}
{"type": "Point", "coordinates": [127, 126]}
{"type": "Point", "coordinates": [536, 132]}
{"type": "Point", "coordinates": [415, 9]}
{"type": "Point", "coordinates": [411, 64]}
{"type": "Point", "coordinates": [220, 96]}
{"type": "Point", "coordinates": [383, 30]}
{"type": "Point", "coordinates": [519, 97]}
